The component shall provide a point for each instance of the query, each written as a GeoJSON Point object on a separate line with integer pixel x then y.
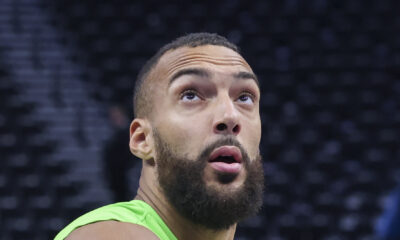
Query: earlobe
{"type": "Point", "coordinates": [140, 142]}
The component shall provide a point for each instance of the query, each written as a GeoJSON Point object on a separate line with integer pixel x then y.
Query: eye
{"type": "Point", "coordinates": [246, 98]}
{"type": "Point", "coordinates": [189, 96]}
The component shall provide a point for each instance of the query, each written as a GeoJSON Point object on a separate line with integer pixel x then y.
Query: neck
{"type": "Point", "coordinates": [150, 192]}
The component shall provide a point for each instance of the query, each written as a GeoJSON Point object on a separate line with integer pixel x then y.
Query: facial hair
{"type": "Point", "coordinates": [181, 180]}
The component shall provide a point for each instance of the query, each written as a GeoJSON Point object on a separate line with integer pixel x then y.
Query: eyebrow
{"type": "Point", "coordinates": [247, 75]}
{"type": "Point", "coordinates": [190, 71]}
{"type": "Point", "coordinates": [206, 74]}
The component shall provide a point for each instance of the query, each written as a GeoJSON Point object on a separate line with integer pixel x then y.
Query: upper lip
{"type": "Point", "coordinates": [227, 151]}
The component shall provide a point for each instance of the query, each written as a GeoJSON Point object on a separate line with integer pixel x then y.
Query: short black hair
{"type": "Point", "coordinates": [141, 101]}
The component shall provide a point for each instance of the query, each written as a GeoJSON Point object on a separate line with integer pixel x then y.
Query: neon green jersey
{"type": "Point", "coordinates": [135, 211]}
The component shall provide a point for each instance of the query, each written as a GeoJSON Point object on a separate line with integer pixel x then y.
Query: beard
{"type": "Point", "coordinates": [181, 180]}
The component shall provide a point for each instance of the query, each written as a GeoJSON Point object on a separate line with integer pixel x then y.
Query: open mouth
{"type": "Point", "coordinates": [226, 159]}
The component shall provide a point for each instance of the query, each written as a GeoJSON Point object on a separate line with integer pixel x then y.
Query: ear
{"type": "Point", "coordinates": [141, 140]}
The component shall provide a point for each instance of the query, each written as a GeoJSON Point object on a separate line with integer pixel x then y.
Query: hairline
{"type": "Point", "coordinates": [163, 52]}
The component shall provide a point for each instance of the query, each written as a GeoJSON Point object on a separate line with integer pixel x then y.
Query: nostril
{"type": "Point", "coordinates": [236, 129]}
{"type": "Point", "coordinates": [221, 127]}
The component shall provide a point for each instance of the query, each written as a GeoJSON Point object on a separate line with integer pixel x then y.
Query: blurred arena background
{"type": "Point", "coordinates": [330, 107]}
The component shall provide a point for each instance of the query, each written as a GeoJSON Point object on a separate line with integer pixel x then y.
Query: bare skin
{"type": "Point", "coordinates": [194, 91]}
{"type": "Point", "coordinates": [112, 230]}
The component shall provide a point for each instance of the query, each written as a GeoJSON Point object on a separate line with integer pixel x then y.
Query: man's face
{"type": "Point", "coordinates": [207, 131]}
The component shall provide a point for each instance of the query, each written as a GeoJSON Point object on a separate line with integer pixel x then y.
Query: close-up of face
{"type": "Point", "coordinates": [203, 94]}
{"type": "Point", "coordinates": [207, 129]}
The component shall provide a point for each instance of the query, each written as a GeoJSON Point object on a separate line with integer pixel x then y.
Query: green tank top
{"type": "Point", "coordinates": [135, 211]}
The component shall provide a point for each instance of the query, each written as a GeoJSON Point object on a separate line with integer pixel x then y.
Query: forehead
{"type": "Point", "coordinates": [217, 58]}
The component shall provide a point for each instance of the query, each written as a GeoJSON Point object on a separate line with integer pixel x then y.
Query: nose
{"type": "Point", "coordinates": [226, 118]}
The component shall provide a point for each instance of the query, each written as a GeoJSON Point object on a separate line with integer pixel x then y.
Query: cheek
{"type": "Point", "coordinates": [185, 135]}
{"type": "Point", "coordinates": [253, 137]}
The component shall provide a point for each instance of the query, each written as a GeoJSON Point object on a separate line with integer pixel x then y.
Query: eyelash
{"type": "Point", "coordinates": [186, 91]}
{"type": "Point", "coordinates": [195, 92]}
{"type": "Point", "coordinates": [249, 94]}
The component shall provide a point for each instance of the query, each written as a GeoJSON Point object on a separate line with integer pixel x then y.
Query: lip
{"type": "Point", "coordinates": [231, 168]}
{"type": "Point", "coordinates": [227, 151]}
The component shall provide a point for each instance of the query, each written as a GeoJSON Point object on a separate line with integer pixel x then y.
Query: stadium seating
{"type": "Point", "coordinates": [330, 105]}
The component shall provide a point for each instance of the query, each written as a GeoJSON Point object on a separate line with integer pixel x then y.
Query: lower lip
{"type": "Point", "coordinates": [226, 167]}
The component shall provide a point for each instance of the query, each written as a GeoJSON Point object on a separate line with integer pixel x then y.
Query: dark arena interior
{"type": "Point", "coordinates": [330, 108]}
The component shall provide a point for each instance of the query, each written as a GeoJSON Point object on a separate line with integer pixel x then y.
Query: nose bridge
{"type": "Point", "coordinates": [226, 106]}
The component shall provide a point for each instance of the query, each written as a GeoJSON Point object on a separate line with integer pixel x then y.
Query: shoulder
{"type": "Point", "coordinates": [112, 230]}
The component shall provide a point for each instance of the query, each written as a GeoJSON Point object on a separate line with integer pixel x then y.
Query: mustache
{"type": "Point", "coordinates": [226, 141]}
